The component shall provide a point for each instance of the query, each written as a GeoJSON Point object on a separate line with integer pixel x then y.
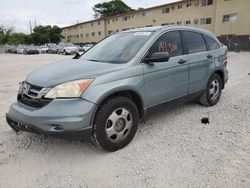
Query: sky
{"type": "Point", "coordinates": [18, 13]}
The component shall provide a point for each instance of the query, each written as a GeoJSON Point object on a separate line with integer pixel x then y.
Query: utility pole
{"type": "Point", "coordinates": [30, 27]}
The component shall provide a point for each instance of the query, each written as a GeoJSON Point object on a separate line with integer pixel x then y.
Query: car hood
{"type": "Point", "coordinates": [68, 70]}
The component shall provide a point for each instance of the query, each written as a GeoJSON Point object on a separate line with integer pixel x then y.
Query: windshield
{"type": "Point", "coordinates": [119, 48]}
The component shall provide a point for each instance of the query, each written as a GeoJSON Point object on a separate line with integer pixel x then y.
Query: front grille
{"type": "Point", "coordinates": [35, 103]}
{"type": "Point", "coordinates": [32, 95]}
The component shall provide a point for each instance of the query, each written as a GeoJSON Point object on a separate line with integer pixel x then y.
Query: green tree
{"type": "Point", "coordinates": [46, 34]}
{"type": "Point", "coordinates": [4, 35]}
{"type": "Point", "coordinates": [41, 35]}
{"type": "Point", "coordinates": [110, 8]}
{"type": "Point", "coordinates": [55, 35]}
{"type": "Point", "coordinates": [19, 38]}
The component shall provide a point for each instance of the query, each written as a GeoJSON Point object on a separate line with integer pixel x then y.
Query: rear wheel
{"type": "Point", "coordinates": [213, 91]}
{"type": "Point", "coordinates": [115, 124]}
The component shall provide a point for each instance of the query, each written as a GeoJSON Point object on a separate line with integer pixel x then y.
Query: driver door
{"type": "Point", "coordinates": [168, 80]}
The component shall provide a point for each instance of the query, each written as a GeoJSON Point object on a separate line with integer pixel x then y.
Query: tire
{"type": "Point", "coordinates": [64, 52]}
{"type": "Point", "coordinates": [213, 91]}
{"type": "Point", "coordinates": [115, 123]}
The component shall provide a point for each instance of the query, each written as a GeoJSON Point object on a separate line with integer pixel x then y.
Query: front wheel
{"type": "Point", "coordinates": [213, 91]}
{"type": "Point", "coordinates": [115, 123]}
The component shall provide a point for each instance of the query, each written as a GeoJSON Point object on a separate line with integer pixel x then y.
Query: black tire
{"type": "Point", "coordinates": [64, 52]}
{"type": "Point", "coordinates": [113, 105]}
{"type": "Point", "coordinates": [209, 99]}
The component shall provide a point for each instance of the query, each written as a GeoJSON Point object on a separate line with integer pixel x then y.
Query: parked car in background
{"type": "Point", "coordinates": [20, 49]}
{"type": "Point", "coordinates": [86, 47]}
{"type": "Point", "coordinates": [7, 48]}
{"type": "Point", "coordinates": [43, 49]}
{"type": "Point", "coordinates": [79, 48]}
{"type": "Point", "coordinates": [12, 49]}
{"type": "Point", "coordinates": [53, 48]}
{"type": "Point", "coordinates": [103, 94]}
{"type": "Point", "coordinates": [31, 50]}
{"type": "Point", "coordinates": [67, 48]}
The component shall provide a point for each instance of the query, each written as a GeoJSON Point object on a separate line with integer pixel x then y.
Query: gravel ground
{"type": "Point", "coordinates": [171, 148]}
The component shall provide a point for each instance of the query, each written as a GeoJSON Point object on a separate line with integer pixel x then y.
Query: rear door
{"type": "Point", "coordinates": [168, 80]}
{"type": "Point", "coordinates": [201, 60]}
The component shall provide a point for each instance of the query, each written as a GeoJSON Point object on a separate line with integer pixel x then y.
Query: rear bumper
{"type": "Point", "coordinates": [69, 119]}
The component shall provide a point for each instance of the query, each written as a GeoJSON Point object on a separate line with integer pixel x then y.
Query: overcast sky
{"type": "Point", "coordinates": [18, 13]}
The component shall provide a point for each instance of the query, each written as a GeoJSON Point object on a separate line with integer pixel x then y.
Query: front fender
{"type": "Point", "coordinates": [97, 93]}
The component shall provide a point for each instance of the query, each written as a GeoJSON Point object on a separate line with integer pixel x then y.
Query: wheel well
{"type": "Point", "coordinates": [221, 74]}
{"type": "Point", "coordinates": [131, 95]}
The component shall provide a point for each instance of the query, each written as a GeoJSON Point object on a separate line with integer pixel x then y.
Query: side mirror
{"type": "Point", "coordinates": [77, 56]}
{"type": "Point", "coordinates": [157, 57]}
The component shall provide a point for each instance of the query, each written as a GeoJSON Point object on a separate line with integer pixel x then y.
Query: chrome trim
{"type": "Point", "coordinates": [27, 89]}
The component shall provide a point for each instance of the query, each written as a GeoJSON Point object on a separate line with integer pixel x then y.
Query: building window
{"type": "Point", "coordinates": [189, 4]}
{"type": "Point", "coordinates": [81, 26]}
{"type": "Point", "coordinates": [99, 23]}
{"type": "Point", "coordinates": [165, 10]}
{"type": "Point", "coordinates": [230, 17]}
{"type": "Point", "coordinates": [149, 14]}
{"type": "Point", "coordinates": [87, 35]}
{"type": "Point", "coordinates": [188, 22]}
{"type": "Point", "coordinates": [204, 21]}
{"type": "Point", "coordinates": [92, 24]}
{"type": "Point", "coordinates": [207, 2]}
{"type": "Point", "coordinates": [178, 22]}
{"type": "Point", "coordinates": [81, 35]}
{"type": "Point", "coordinates": [99, 33]}
{"type": "Point", "coordinates": [93, 34]}
{"type": "Point", "coordinates": [179, 6]}
{"type": "Point", "coordinates": [165, 24]}
{"type": "Point", "coordinates": [172, 23]}
{"type": "Point", "coordinates": [124, 18]}
{"type": "Point", "coordinates": [148, 26]}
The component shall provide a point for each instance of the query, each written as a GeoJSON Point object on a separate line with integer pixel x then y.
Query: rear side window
{"type": "Point", "coordinates": [212, 44]}
{"type": "Point", "coordinates": [194, 42]}
{"type": "Point", "coordinates": [168, 42]}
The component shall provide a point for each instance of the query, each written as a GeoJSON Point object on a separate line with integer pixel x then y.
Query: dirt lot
{"type": "Point", "coordinates": [171, 149]}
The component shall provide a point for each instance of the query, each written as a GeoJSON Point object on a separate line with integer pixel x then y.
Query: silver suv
{"type": "Point", "coordinates": [103, 94]}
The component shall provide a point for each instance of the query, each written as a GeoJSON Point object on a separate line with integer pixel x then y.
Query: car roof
{"type": "Point", "coordinates": [170, 27]}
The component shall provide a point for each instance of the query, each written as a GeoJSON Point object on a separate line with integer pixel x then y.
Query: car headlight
{"type": "Point", "coordinates": [71, 89]}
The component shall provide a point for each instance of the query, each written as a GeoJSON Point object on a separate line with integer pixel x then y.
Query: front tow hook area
{"type": "Point", "coordinates": [17, 127]}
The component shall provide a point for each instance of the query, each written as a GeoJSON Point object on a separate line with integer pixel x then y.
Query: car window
{"type": "Point", "coordinates": [195, 42]}
{"type": "Point", "coordinates": [212, 44]}
{"type": "Point", "coordinates": [168, 42]}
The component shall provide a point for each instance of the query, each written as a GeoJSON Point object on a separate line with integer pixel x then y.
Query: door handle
{"type": "Point", "coordinates": [182, 61]}
{"type": "Point", "coordinates": [209, 56]}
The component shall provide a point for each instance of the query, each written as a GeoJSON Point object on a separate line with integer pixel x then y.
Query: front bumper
{"type": "Point", "coordinates": [65, 118]}
{"type": "Point", "coordinates": [71, 52]}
